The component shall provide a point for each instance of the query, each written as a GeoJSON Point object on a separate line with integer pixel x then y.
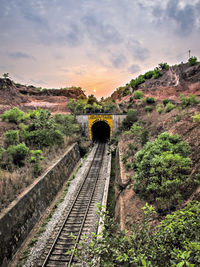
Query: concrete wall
{"type": "Point", "coordinates": [83, 121]}
{"type": "Point", "coordinates": [116, 121]}
{"type": "Point", "coordinates": [18, 221]}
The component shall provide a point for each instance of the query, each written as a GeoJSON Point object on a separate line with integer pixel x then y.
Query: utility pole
{"type": "Point", "coordinates": [189, 53]}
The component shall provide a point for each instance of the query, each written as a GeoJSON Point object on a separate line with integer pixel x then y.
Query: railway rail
{"type": "Point", "coordinates": [75, 221]}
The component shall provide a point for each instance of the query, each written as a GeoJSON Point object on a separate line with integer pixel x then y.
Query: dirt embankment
{"type": "Point", "coordinates": [29, 97]}
{"type": "Point", "coordinates": [178, 121]}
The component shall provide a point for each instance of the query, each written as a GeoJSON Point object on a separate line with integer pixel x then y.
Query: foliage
{"type": "Point", "coordinates": [188, 101]}
{"type": "Point", "coordinates": [131, 117]}
{"type": "Point", "coordinates": [67, 124]}
{"type": "Point", "coordinates": [1, 151]}
{"type": "Point", "coordinates": [196, 118]}
{"type": "Point", "coordinates": [43, 131]}
{"type": "Point", "coordinates": [149, 74]}
{"type": "Point", "coordinates": [126, 91]}
{"type": "Point", "coordinates": [157, 73]}
{"type": "Point", "coordinates": [159, 108]}
{"type": "Point", "coordinates": [166, 101]}
{"type": "Point", "coordinates": [161, 168]}
{"type": "Point", "coordinates": [13, 115]}
{"type": "Point", "coordinates": [138, 95]}
{"type": "Point", "coordinates": [35, 160]}
{"type": "Point", "coordinates": [164, 66]}
{"type": "Point", "coordinates": [6, 75]}
{"type": "Point", "coordinates": [18, 153]}
{"type": "Point", "coordinates": [134, 83]}
{"type": "Point", "coordinates": [192, 61]}
{"type": "Point", "coordinates": [12, 137]}
{"type": "Point", "coordinates": [148, 108]}
{"type": "Point", "coordinates": [150, 100]}
{"type": "Point", "coordinates": [169, 107]}
{"type": "Point", "coordinates": [175, 241]}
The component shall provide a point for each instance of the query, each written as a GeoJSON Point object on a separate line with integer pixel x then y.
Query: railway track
{"type": "Point", "coordinates": [75, 221]}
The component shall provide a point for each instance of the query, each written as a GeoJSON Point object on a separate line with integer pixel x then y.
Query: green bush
{"type": "Point", "coordinates": [169, 107]}
{"type": "Point", "coordinates": [150, 100]}
{"type": "Point", "coordinates": [196, 118]}
{"type": "Point", "coordinates": [164, 66]}
{"type": "Point", "coordinates": [12, 137]}
{"type": "Point", "coordinates": [127, 165]}
{"type": "Point", "coordinates": [135, 83]}
{"type": "Point", "coordinates": [157, 73]}
{"type": "Point", "coordinates": [35, 160]}
{"type": "Point", "coordinates": [148, 108]}
{"type": "Point", "coordinates": [13, 115]}
{"type": "Point", "coordinates": [131, 117]}
{"type": "Point", "coordinates": [138, 95]}
{"type": "Point", "coordinates": [188, 101]}
{"type": "Point", "coordinates": [174, 243]}
{"type": "Point", "coordinates": [18, 153]}
{"type": "Point", "coordinates": [192, 61]}
{"type": "Point", "coordinates": [1, 151]}
{"type": "Point", "coordinates": [149, 74]}
{"type": "Point", "coordinates": [126, 92]}
{"type": "Point", "coordinates": [159, 108]}
{"type": "Point", "coordinates": [166, 101]}
{"type": "Point", "coordinates": [161, 168]}
{"type": "Point", "coordinates": [43, 131]}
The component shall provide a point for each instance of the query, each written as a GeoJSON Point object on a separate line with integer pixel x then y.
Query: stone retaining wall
{"type": "Point", "coordinates": [19, 219]}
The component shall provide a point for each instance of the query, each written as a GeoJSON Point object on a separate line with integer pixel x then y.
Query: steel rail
{"type": "Point", "coordinates": [69, 212]}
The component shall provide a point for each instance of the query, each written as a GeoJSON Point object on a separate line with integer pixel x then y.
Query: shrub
{"type": "Point", "coordinates": [126, 92]}
{"type": "Point", "coordinates": [138, 95]}
{"type": "Point", "coordinates": [149, 74]}
{"type": "Point", "coordinates": [157, 73]}
{"type": "Point", "coordinates": [161, 168]}
{"type": "Point", "coordinates": [13, 115]}
{"type": "Point", "coordinates": [35, 160]}
{"type": "Point", "coordinates": [12, 137]}
{"type": "Point", "coordinates": [144, 137]}
{"type": "Point", "coordinates": [131, 117]}
{"type": "Point", "coordinates": [1, 151]}
{"type": "Point", "coordinates": [148, 108]}
{"type": "Point", "coordinates": [18, 153]}
{"type": "Point", "coordinates": [166, 101]}
{"type": "Point", "coordinates": [159, 108]}
{"type": "Point", "coordinates": [139, 80]}
{"type": "Point", "coordinates": [127, 165]}
{"type": "Point", "coordinates": [169, 107]}
{"type": "Point", "coordinates": [196, 118]}
{"type": "Point", "coordinates": [192, 61]}
{"type": "Point", "coordinates": [164, 66]}
{"type": "Point", "coordinates": [150, 100]}
{"type": "Point", "coordinates": [188, 101]}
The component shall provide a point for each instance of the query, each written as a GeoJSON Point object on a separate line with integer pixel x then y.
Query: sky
{"type": "Point", "coordinates": [96, 44]}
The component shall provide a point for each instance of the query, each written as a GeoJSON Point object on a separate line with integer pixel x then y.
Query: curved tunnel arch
{"type": "Point", "coordinates": [100, 131]}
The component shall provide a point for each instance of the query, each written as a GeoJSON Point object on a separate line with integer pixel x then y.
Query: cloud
{"type": "Point", "coordinates": [182, 17]}
{"type": "Point", "coordinates": [134, 68]}
{"type": "Point", "coordinates": [118, 61]}
{"type": "Point", "coordinates": [100, 32]}
{"type": "Point", "coordinates": [137, 50]}
{"type": "Point", "coordinates": [20, 55]}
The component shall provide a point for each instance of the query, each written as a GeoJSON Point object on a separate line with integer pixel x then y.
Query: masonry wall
{"type": "Point", "coordinates": [18, 221]}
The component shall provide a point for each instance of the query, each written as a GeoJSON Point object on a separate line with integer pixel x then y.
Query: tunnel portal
{"type": "Point", "coordinates": [100, 131]}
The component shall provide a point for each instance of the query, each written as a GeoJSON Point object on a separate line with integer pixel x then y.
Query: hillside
{"type": "Point", "coordinates": [166, 104]}
{"type": "Point", "coordinates": [178, 79]}
{"type": "Point", "coordinates": [30, 97]}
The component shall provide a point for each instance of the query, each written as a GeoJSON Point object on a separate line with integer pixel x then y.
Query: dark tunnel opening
{"type": "Point", "coordinates": [100, 132]}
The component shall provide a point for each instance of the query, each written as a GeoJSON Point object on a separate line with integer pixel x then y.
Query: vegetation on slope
{"type": "Point", "coordinates": [35, 138]}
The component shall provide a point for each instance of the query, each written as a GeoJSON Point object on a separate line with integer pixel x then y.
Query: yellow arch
{"type": "Point", "coordinates": [99, 117]}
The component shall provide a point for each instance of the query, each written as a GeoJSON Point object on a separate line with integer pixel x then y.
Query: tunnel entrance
{"type": "Point", "coordinates": [100, 131]}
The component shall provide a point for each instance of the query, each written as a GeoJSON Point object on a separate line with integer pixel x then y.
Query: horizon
{"type": "Point", "coordinates": [44, 44]}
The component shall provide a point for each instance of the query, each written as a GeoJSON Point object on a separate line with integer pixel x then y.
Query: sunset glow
{"type": "Point", "coordinates": [98, 45]}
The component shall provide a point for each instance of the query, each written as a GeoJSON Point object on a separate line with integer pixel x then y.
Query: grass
{"type": "Point", "coordinates": [111, 193]}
